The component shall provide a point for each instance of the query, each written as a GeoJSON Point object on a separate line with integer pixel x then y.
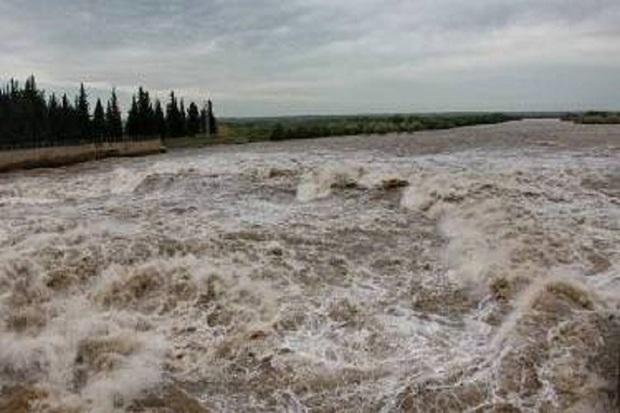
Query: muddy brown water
{"type": "Point", "coordinates": [476, 269]}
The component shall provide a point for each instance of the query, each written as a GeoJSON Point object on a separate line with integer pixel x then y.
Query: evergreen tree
{"type": "Point", "coordinates": [32, 117]}
{"type": "Point", "coordinates": [113, 118]}
{"type": "Point", "coordinates": [182, 119]}
{"type": "Point", "coordinates": [145, 119]}
{"type": "Point", "coordinates": [132, 119]}
{"type": "Point", "coordinates": [68, 122]}
{"type": "Point", "coordinates": [55, 119]}
{"type": "Point", "coordinates": [28, 119]}
{"type": "Point", "coordinates": [109, 132]}
{"type": "Point", "coordinates": [173, 118]}
{"type": "Point", "coordinates": [27, 103]}
{"type": "Point", "coordinates": [83, 114]}
{"type": "Point", "coordinates": [160, 120]}
{"type": "Point", "coordinates": [9, 120]}
{"type": "Point", "coordinates": [193, 120]}
{"type": "Point", "coordinates": [203, 120]}
{"type": "Point", "coordinates": [5, 119]}
{"type": "Point", "coordinates": [211, 122]}
{"type": "Point", "coordinates": [99, 125]}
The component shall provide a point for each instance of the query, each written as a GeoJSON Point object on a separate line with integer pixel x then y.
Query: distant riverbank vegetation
{"type": "Point", "coordinates": [29, 118]}
{"type": "Point", "coordinates": [594, 118]}
{"type": "Point", "coordinates": [276, 129]}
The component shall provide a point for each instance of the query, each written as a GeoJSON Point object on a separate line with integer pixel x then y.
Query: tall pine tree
{"type": "Point", "coordinates": [145, 118]}
{"type": "Point", "coordinates": [193, 120]}
{"type": "Point", "coordinates": [160, 119]}
{"type": "Point", "coordinates": [182, 119]}
{"type": "Point", "coordinates": [83, 114]}
{"type": "Point", "coordinates": [113, 118]}
{"type": "Point", "coordinates": [71, 124]}
{"type": "Point", "coordinates": [55, 119]}
{"type": "Point", "coordinates": [174, 121]}
{"type": "Point", "coordinates": [203, 120]}
{"type": "Point", "coordinates": [211, 121]}
{"type": "Point", "coordinates": [132, 125]}
{"type": "Point", "coordinates": [28, 119]}
{"type": "Point", "coordinates": [99, 125]}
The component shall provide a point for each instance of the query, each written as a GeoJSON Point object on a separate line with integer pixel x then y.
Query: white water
{"type": "Point", "coordinates": [302, 276]}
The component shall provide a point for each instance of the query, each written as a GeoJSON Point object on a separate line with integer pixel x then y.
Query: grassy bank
{"type": "Point", "coordinates": [54, 156]}
{"type": "Point", "coordinates": [305, 127]}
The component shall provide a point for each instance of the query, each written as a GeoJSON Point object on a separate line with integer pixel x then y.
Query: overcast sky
{"type": "Point", "coordinates": [268, 57]}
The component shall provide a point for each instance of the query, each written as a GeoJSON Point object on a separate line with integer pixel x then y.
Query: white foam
{"type": "Point", "coordinates": [285, 277]}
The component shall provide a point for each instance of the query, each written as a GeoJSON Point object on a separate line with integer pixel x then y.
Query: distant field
{"type": "Point", "coordinates": [276, 129]}
{"type": "Point", "coordinates": [593, 118]}
{"type": "Point", "coordinates": [239, 130]}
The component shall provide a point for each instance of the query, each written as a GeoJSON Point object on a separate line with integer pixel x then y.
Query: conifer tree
{"type": "Point", "coordinates": [28, 119]}
{"type": "Point", "coordinates": [211, 121]}
{"type": "Point", "coordinates": [203, 120]}
{"type": "Point", "coordinates": [145, 119]}
{"type": "Point", "coordinates": [132, 119]}
{"type": "Point", "coordinates": [99, 125]}
{"type": "Point", "coordinates": [182, 119]}
{"type": "Point", "coordinates": [173, 118]}
{"type": "Point", "coordinates": [193, 120]}
{"type": "Point", "coordinates": [113, 118]}
{"type": "Point", "coordinates": [83, 114]}
{"type": "Point", "coordinates": [160, 120]}
{"type": "Point", "coordinates": [109, 128]}
{"type": "Point", "coordinates": [68, 121]}
{"type": "Point", "coordinates": [55, 119]}
{"type": "Point", "coordinates": [34, 117]}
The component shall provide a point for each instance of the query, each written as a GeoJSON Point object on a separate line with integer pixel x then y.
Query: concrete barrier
{"type": "Point", "coordinates": [66, 155]}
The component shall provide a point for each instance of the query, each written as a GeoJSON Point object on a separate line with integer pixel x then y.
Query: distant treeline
{"type": "Point", "coordinates": [314, 127]}
{"type": "Point", "coordinates": [28, 118]}
{"type": "Point", "coordinates": [593, 117]}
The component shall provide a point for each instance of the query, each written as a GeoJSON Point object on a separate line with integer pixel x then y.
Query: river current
{"type": "Point", "coordinates": [470, 270]}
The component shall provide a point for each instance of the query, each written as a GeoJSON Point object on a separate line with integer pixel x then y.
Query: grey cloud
{"type": "Point", "coordinates": [270, 57]}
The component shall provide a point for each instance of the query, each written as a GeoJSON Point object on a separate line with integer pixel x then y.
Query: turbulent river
{"type": "Point", "coordinates": [471, 270]}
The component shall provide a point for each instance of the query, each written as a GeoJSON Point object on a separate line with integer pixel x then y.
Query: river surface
{"type": "Point", "coordinates": [470, 270]}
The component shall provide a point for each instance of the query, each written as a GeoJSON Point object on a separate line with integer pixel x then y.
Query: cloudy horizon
{"type": "Point", "coordinates": [272, 58]}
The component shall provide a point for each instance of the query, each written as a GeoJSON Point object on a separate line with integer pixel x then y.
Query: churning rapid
{"type": "Point", "coordinates": [471, 270]}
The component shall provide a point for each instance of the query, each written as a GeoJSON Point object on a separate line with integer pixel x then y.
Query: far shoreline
{"type": "Point", "coordinates": [59, 156]}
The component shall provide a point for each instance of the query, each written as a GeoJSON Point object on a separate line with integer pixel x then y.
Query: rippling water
{"type": "Point", "coordinates": [474, 270]}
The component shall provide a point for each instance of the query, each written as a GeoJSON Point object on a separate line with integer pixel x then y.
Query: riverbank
{"type": "Point", "coordinates": [230, 134]}
{"type": "Point", "coordinates": [67, 155]}
{"type": "Point", "coordinates": [246, 130]}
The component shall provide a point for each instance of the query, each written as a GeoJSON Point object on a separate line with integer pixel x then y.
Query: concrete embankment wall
{"type": "Point", "coordinates": [66, 155]}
